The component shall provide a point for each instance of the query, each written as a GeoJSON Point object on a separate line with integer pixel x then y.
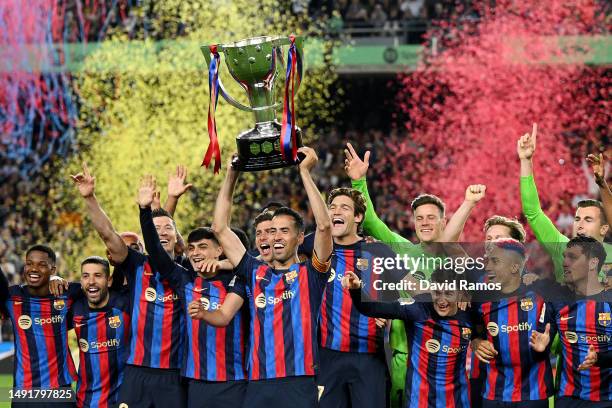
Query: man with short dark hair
{"type": "Point", "coordinates": [284, 301]}
{"type": "Point", "coordinates": [213, 358]}
{"type": "Point", "coordinates": [101, 321]}
{"type": "Point", "coordinates": [40, 327]}
{"type": "Point", "coordinates": [353, 369]}
{"type": "Point", "coordinates": [589, 221]}
{"type": "Point", "coordinates": [151, 377]}
{"type": "Point", "coordinates": [263, 238]}
{"type": "Point", "coordinates": [583, 318]}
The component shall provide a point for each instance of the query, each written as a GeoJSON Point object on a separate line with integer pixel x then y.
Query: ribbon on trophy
{"type": "Point", "coordinates": [213, 86]}
{"type": "Point", "coordinates": [292, 81]}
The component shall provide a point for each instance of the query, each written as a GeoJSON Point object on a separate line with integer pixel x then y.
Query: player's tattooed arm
{"type": "Point", "coordinates": [233, 248]}
{"type": "Point", "coordinates": [220, 317]}
{"type": "Point", "coordinates": [473, 194]}
{"type": "Point", "coordinates": [176, 188]}
{"type": "Point", "coordinates": [598, 165]}
{"type": "Point", "coordinates": [323, 243]}
{"type": "Point", "coordinates": [86, 182]}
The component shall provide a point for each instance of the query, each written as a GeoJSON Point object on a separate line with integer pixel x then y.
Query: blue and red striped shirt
{"type": "Point", "coordinates": [342, 327]}
{"type": "Point", "coordinates": [157, 323]}
{"type": "Point", "coordinates": [284, 306]}
{"type": "Point", "coordinates": [103, 336]}
{"type": "Point", "coordinates": [437, 348]}
{"type": "Point", "coordinates": [214, 353]}
{"type": "Point", "coordinates": [582, 323]}
{"type": "Point", "coordinates": [211, 353]}
{"type": "Point", "coordinates": [40, 327]}
{"type": "Point", "coordinates": [517, 373]}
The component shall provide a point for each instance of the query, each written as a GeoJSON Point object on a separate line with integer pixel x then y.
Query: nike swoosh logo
{"type": "Point", "coordinates": [199, 289]}
{"type": "Point", "coordinates": [564, 318]}
{"type": "Point", "coordinates": [18, 303]}
{"type": "Point", "coordinates": [79, 325]}
{"type": "Point", "coordinates": [258, 278]}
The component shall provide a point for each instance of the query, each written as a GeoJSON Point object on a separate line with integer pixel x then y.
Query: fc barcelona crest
{"type": "Point", "coordinates": [466, 333]}
{"type": "Point", "coordinates": [362, 264]}
{"type": "Point", "coordinates": [59, 304]}
{"type": "Point", "coordinates": [290, 276]}
{"type": "Point", "coordinates": [526, 304]}
{"type": "Point", "coordinates": [604, 319]}
{"type": "Point", "coordinates": [114, 321]}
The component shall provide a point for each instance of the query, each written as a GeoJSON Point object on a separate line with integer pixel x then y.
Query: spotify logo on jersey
{"type": "Point", "coordinates": [260, 301]}
{"type": "Point", "coordinates": [150, 294]}
{"type": "Point", "coordinates": [432, 345]}
{"type": "Point", "coordinates": [571, 337]}
{"type": "Point", "coordinates": [493, 329]}
{"type": "Point", "coordinates": [83, 345]}
{"type": "Point", "coordinates": [25, 322]}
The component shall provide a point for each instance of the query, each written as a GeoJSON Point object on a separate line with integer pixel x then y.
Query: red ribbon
{"type": "Point", "coordinates": [213, 86]}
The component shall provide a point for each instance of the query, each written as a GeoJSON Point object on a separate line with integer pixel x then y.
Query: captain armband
{"type": "Point", "coordinates": [321, 266]}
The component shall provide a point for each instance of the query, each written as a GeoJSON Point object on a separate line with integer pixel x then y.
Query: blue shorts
{"type": "Point", "coordinates": [208, 394]}
{"type": "Point", "coordinates": [292, 392]}
{"type": "Point", "coordinates": [357, 380]}
{"type": "Point", "coordinates": [145, 387]}
{"type": "Point", "coordinates": [522, 404]}
{"type": "Point", "coordinates": [570, 402]}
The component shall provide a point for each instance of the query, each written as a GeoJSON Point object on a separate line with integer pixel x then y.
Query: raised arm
{"type": "Point", "coordinates": [160, 260]}
{"type": "Point", "coordinates": [543, 228]}
{"type": "Point", "coordinates": [323, 242]}
{"type": "Point", "coordinates": [356, 169]}
{"type": "Point", "coordinates": [233, 248]}
{"type": "Point", "coordinates": [176, 188]}
{"type": "Point", "coordinates": [220, 317]}
{"type": "Point", "coordinates": [598, 165]}
{"type": "Point", "coordinates": [86, 183]}
{"type": "Point", "coordinates": [473, 194]}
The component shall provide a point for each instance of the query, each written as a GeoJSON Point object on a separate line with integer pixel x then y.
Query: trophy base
{"type": "Point", "coordinates": [259, 148]}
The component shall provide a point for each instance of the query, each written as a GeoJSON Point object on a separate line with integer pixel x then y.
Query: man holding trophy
{"type": "Point", "coordinates": [284, 299]}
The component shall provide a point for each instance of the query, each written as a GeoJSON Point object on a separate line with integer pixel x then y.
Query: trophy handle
{"type": "Point", "coordinates": [206, 51]}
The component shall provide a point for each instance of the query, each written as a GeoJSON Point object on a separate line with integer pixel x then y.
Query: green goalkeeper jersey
{"type": "Point", "coordinates": [545, 231]}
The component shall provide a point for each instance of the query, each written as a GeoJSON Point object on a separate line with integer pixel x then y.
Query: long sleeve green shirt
{"type": "Point", "coordinates": [543, 228]}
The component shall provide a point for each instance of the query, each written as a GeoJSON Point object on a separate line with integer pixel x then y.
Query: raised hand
{"type": "Point", "coordinates": [146, 192]}
{"type": "Point", "coordinates": [597, 164]}
{"type": "Point", "coordinates": [475, 192]}
{"type": "Point", "coordinates": [484, 350]}
{"type": "Point", "coordinates": [526, 145]}
{"type": "Point", "coordinates": [589, 360]}
{"type": "Point", "coordinates": [350, 280]}
{"type": "Point", "coordinates": [355, 167]}
{"type": "Point", "coordinates": [310, 158]}
{"type": "Point", "coordinates": [176, 182]}
{"type": "Point", "coordinates": [156, 204]}
{"type": "Point", "coordinates": [85, 182]}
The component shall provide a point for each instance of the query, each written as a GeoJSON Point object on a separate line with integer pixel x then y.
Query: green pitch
{"type": "Point", "coordinates": [6, 382]}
